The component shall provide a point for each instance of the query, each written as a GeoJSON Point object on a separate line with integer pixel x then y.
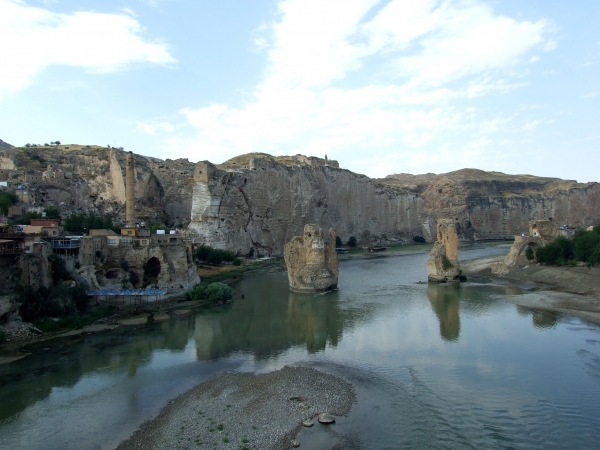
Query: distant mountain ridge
{"type": "Point", "coordinates": [4, 145]}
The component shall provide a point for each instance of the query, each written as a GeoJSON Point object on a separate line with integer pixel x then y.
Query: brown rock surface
{"type": "Point", "coordinates": [312, 264]}
{"type": "Point", "coordinates": [443, 265]}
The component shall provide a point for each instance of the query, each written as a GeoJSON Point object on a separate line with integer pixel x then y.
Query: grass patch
{"type": "Point", "coordinates": [220, 427]}
{"type": "Point", "coordinates": [73, 322]}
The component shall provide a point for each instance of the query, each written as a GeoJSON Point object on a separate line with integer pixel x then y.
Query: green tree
{"type": "Point", "coordinates": [52, 212]}
{"type": "Point", "coordinates": [7, 199]}
{"type": "Point", "coordinates": [352, 241]}
{"type": "Point", "coordinates": [338, 241]}
{"type": "Point", "coordinates": [26, 219]}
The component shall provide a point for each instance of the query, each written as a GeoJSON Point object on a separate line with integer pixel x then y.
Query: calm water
{"type": "Point", "coordinates": [433, 366]}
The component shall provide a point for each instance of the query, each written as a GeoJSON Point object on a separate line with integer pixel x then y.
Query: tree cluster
{"type": "Point", "coordinates": [7, 199]}
{"type": "Point", "coordinates": [215, 256]}
{"type": "Point", "coordinates": [78, 223]}
{"type": "Point", "coordinates": [584, 247]}
{"type": "Point", "coordinates": [213, 292]}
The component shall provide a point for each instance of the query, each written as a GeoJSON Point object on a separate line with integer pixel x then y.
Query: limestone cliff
{"type": "Point", "coordinates": [264, 202]}
{"type": "Point", "coordinates": [4, 145]}
{"type": "Point", "coordinates": [260, 202]}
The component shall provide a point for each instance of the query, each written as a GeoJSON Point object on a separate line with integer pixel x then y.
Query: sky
{"type": "Point", "coordinates": [382, 86]}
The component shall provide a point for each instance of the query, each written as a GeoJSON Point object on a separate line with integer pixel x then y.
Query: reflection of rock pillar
{"type": "Point", "coordinates": [130, 190]}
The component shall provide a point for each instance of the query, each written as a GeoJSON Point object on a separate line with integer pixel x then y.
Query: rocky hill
{"type": "Point", "coordinates": [4, 145]}
{"type": "Point", "coordinates": [258, 201]}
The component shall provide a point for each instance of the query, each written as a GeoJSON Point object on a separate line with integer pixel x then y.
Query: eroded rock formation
{"type": "Point", "coordinates": [311, 262]}
{"type": "Point", "coordinates": [259, 202]}
{"type": "Point", "coordinates": [443, 265]}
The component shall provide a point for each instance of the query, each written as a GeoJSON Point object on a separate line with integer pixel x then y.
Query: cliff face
{"type": "Point", "coordinates": [265, 203]}
{"type": "Point", "coordinates": [4, 145]}
{"type": "Point", "coordinates": [92, 179]}
{"type": "Point", "coordinates": [261, 202]}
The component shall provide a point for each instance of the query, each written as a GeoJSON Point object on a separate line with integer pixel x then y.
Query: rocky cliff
{"type": "Point", "coordinates": [4, 145]}
{"type": "Point", "coordinates": [92, 179]}
{"type": "Point", "coordinates": [258, 202]}
{"type": "Point", "coordinates": [261, 202]}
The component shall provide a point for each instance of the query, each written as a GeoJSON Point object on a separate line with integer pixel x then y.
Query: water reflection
{"type": "Point", "coordinates": [62, 363]}
{"type": "Point", "coordinates": [270, 326]}
{"type": "Point", "coordinates": [444, 302]}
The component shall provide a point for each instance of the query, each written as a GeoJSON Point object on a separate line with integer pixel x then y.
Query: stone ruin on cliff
{"type": "Point", "coordinates": [312, 263]}
{"type": "Point", "coordinates": [443, 265]}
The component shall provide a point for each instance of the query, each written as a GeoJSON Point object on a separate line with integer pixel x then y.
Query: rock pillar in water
{"type": "Point", "coordinates": [312, 264]}
{"type": "Point", "coordinates": [443, 265]}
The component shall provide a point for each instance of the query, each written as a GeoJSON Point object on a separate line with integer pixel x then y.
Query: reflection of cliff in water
{"type": "Point", "coordinates": [444, 302]}
{"type": "Point", "coordinates": [269, 325]}
{"type": "Point", "coordinates": [63, 363]}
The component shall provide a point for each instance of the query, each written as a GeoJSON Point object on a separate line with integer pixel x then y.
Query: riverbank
{"type": "Point", "coordinates": [573, 291]}
{"type": "Point", "coordinates": [246, 411]}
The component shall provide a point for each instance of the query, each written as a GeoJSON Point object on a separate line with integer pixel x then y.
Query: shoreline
{"type": "Point", "coordinates": [573, 291]}
{"type": "Point", "coordinates": [246, 411]}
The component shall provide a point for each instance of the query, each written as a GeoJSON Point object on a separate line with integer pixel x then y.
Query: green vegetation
{"type": "Point", "coordinates": [446, 263]}
{"type": "Point", "coordinates": [78, 223]}
{"type": "Point", "coordinates": [213, 292]}
{"type": "Point", "coordinates": [338, 241]}
{"type": "Point", "coordinates": [419, 240]}
{"type": "Point", "coordinates": [52, 212]}
{"type": "Point", "coordinates": [352, 241]}
{"type": "Point", "coordinates": [75, 321]}
{"type": "Point", "coordinates": [7, 199]}
{"type": "Point", "coordinates": [26, 219]}
{"type": "Point", "coordinates": [584, 247]}
{"type": "Point", "coordinates": [2, 336]}
{"type": "Point", "coordinates": [213, 256]}
{"type": "Point", "coordinates": [529, 254]}
{"type": "Point", "coordinates": [58, 301]}
{"type": "Point", "coordinates": [236, 262]}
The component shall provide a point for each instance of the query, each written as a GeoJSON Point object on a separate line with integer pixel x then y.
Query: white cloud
{"type": "Point", "coordinates": [534, 59]}
{"type": "Point", "coordinates": [590, 95]}
{"type": "Point", "coordinates": [97, 42]}
{"type": "Point", "coordinates": [431, 57]}
{"type": "Point", "coordinates": [531, 125]}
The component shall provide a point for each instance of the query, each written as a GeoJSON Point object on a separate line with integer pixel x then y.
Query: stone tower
{"type": "Point", "coordinates": [130, 190]}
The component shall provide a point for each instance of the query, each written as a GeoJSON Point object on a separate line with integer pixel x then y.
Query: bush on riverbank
{"type": "Point", "coordinates": [73, 322]}
{"type": "Point", "coordinates": [584, 247]}
{"type": "Point", "coordinates": [213, 256]}
{"type": "Point", "coordinates": [58, 301]}
{"type": "Point", "coordinates": [213, 292]}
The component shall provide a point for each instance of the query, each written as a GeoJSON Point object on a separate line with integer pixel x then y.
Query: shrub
{"type": "Point", "coordinates": [586, 245]}
{"type": "Point", "coordinates": [214, 258]}
{"type": "Point", "coordinates": [214, 292]}
{"type": "Point", "coordinates": [77, 265]}
{"type": "Point", "coordinates": [557, 252]}
{"type": "Point", "coordinates": [338, 241]}
{"type": "Point", "coordinates": [529, 254]}
{"type": "Point", "coordinates": [2, 336]}
{"type": "Point", "coordinates": [52, 212]}
{"type": "Point", "coordinates": [124, 265]}
{"type": "Point", "coordinates": [236, 262]}
{"type": "Point", "coordinates": [352, 241]}
{"type": "Point", "coordinates": [419, 240]}
{"type": "Point", "coordinates": [59, 269]}
{"type": "Point", "coordinates": [218, 292]}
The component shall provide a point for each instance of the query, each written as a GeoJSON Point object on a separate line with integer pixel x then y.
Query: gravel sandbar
{"type": "Point", "coordinates": [243, 410]}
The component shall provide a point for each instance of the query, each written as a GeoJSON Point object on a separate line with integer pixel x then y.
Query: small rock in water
{"type": "Point", "coordinates": [326, 418]}
{"type": "Point", "coordinates": [308, 423]}
{"type": "Point", "coordinates": [294, 443]}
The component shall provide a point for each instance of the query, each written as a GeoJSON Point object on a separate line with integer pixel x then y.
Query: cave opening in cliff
{"type": "Point", "coordinates": [151, 271]}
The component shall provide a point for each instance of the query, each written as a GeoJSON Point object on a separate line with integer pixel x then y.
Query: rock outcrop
{"type": "Point", "coordinates": [311, 262]}
{"type": "Point", "coordinates": [442, 265]}
{"type": "Point", "coordinates": [258, 202]}
{"type": "Point", "coordinates": [4, 145]}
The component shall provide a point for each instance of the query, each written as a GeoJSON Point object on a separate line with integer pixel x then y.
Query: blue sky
{"type": "Point", "coordinates": [383, 86]}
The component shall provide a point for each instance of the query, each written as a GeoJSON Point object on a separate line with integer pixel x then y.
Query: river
{"type": "Point", "coordinates": [434, 366]}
